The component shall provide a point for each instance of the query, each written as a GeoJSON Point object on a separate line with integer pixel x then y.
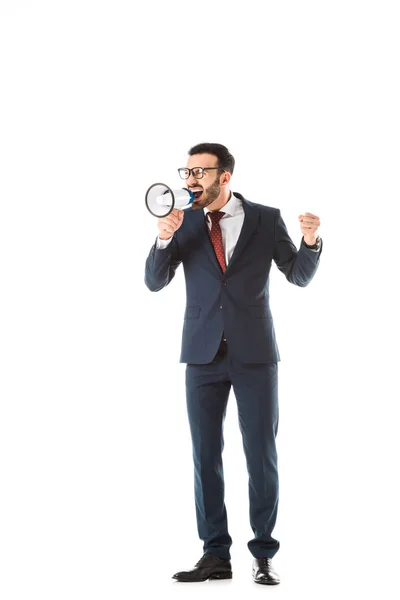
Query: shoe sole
{"type": "Point", "coordinates": [212, 576]}
{"type": "Point", "coordinates": [221, 576]}
{"type": "Point", "coordinates": [266, 582]}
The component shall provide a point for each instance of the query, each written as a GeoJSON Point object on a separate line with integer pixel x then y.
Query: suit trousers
{"type": "Point", "coordinates": [256, 390]}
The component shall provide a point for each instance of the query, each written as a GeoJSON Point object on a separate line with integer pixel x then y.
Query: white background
{"type": "Point", "coordinates": [98, 101]}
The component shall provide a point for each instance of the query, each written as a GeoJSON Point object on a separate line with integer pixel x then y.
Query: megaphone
{"type": "Point", "coordinates": [161, 200]}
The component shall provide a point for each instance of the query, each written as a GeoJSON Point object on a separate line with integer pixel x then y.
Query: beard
{"type": "Point", "coordinates": [208, 197]}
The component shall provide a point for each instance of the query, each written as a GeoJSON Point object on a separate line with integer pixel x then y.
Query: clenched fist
{"type": "Point", "coordinates": [169, 224]}
{"type": "Point", "coordinates": [309, 227]}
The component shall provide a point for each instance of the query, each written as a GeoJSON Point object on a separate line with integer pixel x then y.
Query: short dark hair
{"type": "Point", "coordinates": [226, 162]}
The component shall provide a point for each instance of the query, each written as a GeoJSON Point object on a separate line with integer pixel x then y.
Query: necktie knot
{"type": "Point", "coordinates": [216, 216]}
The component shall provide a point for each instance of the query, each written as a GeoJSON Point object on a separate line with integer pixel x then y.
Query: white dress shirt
{"type": "Point", "coordinates": [231, 224]}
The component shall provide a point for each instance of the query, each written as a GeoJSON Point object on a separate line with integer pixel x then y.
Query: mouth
{"type": "Point", "coordinates": [197, 193]}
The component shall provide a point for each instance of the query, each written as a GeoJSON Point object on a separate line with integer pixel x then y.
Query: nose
{"type": "Point", "coordinates": [191, 180]}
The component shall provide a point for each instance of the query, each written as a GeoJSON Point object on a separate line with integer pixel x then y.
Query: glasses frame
{"type": "Point", "coordinates": [202, 170]}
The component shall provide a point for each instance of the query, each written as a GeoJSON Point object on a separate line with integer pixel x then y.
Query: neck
{"type": "Point", "coordinates": [222, 199]}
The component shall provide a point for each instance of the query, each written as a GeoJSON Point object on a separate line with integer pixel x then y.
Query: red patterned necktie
{"type": "Point", "coordinates": [216, 237]}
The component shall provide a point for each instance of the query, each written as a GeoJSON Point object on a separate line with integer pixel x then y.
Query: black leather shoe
{"type": "Point", "coordinates": [263, 572]}
{"type": "Point", "coordinates": [208, 567]}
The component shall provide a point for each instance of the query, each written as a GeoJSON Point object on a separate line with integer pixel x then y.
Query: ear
{"type": "Point", "coordinates": [225, 178]}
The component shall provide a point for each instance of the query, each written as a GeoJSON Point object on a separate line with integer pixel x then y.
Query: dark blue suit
{"type": "Point", "coordinates": [233, 305]}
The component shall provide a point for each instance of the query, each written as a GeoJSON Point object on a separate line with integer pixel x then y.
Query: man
{"type": "Point", "coordinates": [226, 245]}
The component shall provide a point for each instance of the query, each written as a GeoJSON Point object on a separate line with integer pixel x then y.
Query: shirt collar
{"type": "Point", "coordinates": [229, 208]}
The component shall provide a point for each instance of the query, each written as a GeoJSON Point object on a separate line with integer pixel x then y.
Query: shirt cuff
{"type": "Point", "coordinates": [162, 244]}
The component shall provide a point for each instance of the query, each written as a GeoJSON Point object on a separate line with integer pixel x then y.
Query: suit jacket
{"type": "Point", "coordinates": [236, 302]}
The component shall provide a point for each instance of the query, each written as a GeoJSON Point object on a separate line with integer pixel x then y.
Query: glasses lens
{"type": "Point", "coordinates": [183, 173]}
{"type": "Point", "coordinates": [198, 173]}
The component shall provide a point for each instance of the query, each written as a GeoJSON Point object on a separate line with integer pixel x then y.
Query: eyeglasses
{"type": "Point", "coordinates": [197, 172]}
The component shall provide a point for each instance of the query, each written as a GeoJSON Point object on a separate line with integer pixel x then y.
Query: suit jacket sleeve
{"type": "Point", "coordinates": [161, 265]}
{"type": "Point", "coordinates": [299, 266]}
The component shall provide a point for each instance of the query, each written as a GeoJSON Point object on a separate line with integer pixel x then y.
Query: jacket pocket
{"type": "Point", "coordinates": [192, 312]}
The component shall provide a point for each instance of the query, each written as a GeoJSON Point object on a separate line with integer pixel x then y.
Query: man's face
{"type": "Point", "coordinates": [208, 188]}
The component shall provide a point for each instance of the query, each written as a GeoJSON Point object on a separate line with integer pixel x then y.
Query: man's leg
{"type": "Point", "coordinates": [256, 391]}
{"type": "Point", "coordinates": [207, 391]}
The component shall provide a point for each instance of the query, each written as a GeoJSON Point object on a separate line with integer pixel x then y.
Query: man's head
{"type": "Point", "coordinates": [211, 167]}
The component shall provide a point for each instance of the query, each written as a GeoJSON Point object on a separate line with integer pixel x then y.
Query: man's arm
{"type": "Point", "coordinates": [161, 263]}
{"type": "Point", "coordinates": [299, 266]}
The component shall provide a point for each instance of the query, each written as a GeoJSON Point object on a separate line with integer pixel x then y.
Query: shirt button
{"type": "Point", "coordinates": [220, 306]}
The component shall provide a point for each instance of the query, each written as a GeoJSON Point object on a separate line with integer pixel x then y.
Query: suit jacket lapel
{"type": "Point", "coordinates": [251, 215]}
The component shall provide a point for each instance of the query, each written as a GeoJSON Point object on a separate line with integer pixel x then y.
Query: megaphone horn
{"type": "Point", "coordinates": [161, 200]}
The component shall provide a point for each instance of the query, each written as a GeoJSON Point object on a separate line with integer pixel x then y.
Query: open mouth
{"type": "Point", "coordinates": [197, 193]}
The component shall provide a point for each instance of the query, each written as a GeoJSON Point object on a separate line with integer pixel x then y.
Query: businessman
{"type": "Point", "coordinates": [226, 245]}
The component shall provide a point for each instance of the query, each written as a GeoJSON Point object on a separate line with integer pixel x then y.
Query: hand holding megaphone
{"type": "Point", "coordinates": [169, 224]}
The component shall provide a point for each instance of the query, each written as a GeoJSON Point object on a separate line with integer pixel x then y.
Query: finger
{"type": "Point", "coordinates": [309, 225]}
{"type": "Point", "coordinates": [311, 221]}
{"type": "Point", "coordinates": [170, 220]}
{"type": "Point", "coordinates": [307, 214]}
{"type": "Point", "coordinates": [167, 224]}
{"type": "Point", "coordinates": [166, 227]}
